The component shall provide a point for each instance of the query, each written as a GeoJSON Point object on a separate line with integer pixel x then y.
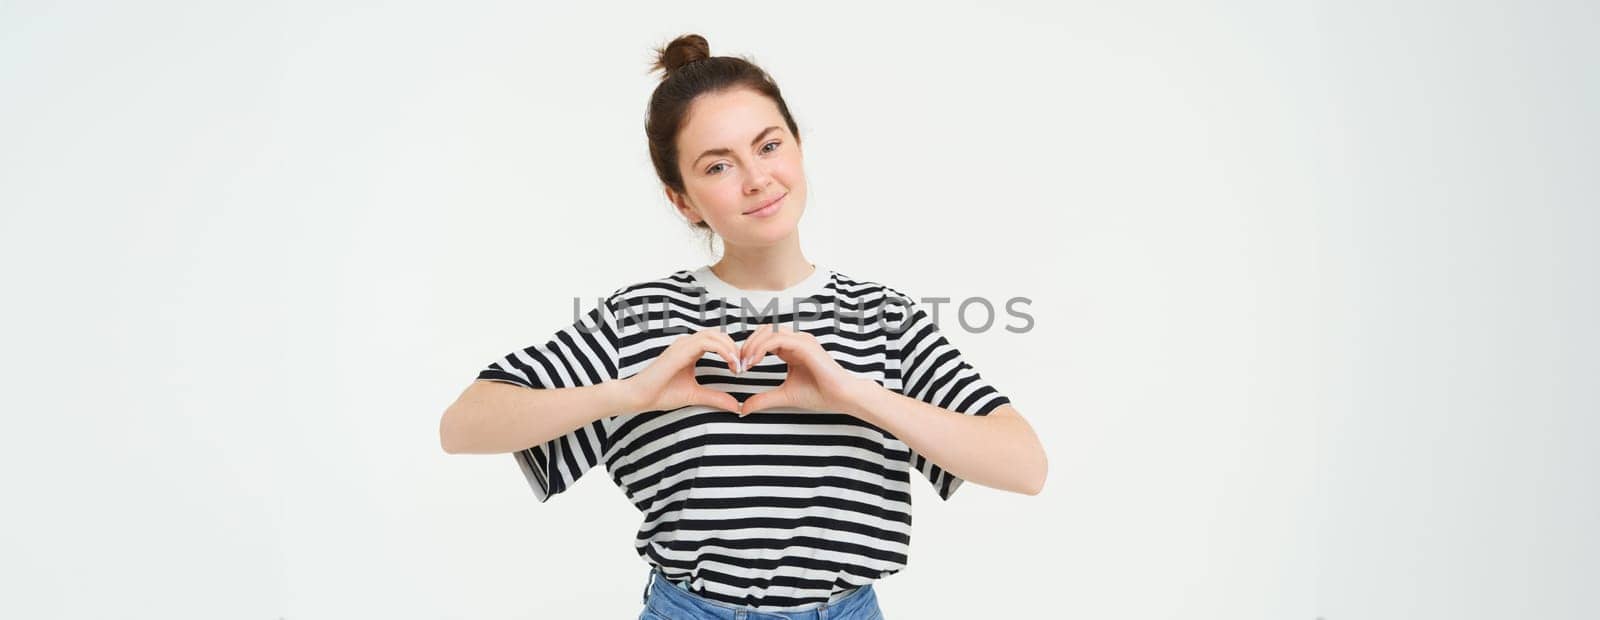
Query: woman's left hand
{"type": "Point", "coordinates": [815, 381]}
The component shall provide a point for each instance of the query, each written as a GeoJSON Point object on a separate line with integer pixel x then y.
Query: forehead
{"type": "Point", "coordinates": [726, 120]}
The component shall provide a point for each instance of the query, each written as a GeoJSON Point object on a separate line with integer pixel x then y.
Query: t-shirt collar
{"type": "Point", "coordinates": [814, 284]}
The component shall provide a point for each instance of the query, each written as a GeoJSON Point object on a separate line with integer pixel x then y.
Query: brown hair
{"type": "Point", "coordinates": [688, 71]}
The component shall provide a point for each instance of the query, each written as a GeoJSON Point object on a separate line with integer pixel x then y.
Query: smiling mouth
{"type": "Point", "coordinates": [774, 201]}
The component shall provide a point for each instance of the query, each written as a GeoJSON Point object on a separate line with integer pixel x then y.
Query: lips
{"type": "Point", "coordinates": [766, 204]}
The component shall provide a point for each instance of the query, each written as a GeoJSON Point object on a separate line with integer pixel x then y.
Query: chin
{"type": "Point", "coordinates": [762, 238]}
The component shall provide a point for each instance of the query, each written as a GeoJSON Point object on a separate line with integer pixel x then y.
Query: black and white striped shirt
{"type": "Point", "coordinates": [779, 509]}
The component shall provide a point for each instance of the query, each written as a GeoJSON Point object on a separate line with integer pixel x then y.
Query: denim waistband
{"type": "Point", "coordinates": [841, 604]}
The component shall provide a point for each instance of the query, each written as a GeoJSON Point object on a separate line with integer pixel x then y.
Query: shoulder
{"type": "Point", "coordinates": [678, 284]}
{"type": "Point", "coordinates": [862, 290]}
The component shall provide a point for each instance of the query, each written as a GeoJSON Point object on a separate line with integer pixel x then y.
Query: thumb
{"type": "Point", "coordinates": [714, 398]}
{"type": "Point", "coordinates": [765, 400]}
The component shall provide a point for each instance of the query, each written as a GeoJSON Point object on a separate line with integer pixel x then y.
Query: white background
{"type": "Point", "coordinates": [1313, 286]}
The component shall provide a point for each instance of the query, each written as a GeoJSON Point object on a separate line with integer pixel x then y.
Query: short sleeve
{"type": "Point", "coordinates": [581, 354]}
{"type": "Point", "coordinates": [934, 371]}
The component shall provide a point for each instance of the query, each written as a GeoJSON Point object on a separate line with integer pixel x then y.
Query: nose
{"type": "Point", "coordinates": [759, 178]}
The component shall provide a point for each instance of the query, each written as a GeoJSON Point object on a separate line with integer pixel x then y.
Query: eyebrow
{"type": "Point", "coordinates": [759, 136]}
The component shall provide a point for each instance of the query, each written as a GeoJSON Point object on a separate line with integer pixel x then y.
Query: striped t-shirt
{"type": "Point", "coordinates": [782, 508]}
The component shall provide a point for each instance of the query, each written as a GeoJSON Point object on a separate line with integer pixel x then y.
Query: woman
{"type": "Point", "coordinates": [762, 412]}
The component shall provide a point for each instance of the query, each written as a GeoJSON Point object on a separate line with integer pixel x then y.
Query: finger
{"type": "Point", "coordinates": [683, 353]}
{"type": "Point", "coordinates": [714, 398]}
{"type": "Point", "coordinates": [757, 346]}
{"type": "Point", "coordinates": [726, 347]}
{"type": "Point", "coordinates": [680, 353]}
{"type": "Point", "coordinates": [804, 346]}
{"type": "Point", "coordinates": [757, 336]}
{"type": "Point", "coordinates": [765, 400]}
{"type": "Point", "coordinates": [715, 341]}
{"type": "Point", "coordinates": [785, 345]}
{"type": "Point", "coordinates": [803, 349]}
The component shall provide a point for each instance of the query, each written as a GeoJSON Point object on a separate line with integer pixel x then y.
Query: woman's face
{"type": "Point", "coordinates": [736, 154]}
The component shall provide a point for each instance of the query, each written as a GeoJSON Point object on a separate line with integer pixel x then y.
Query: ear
{"type": "Point", "coordinates": [681, 203]}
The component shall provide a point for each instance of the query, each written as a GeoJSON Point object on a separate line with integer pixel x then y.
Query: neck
{"type": "Point", "coordinates": [770, 268]}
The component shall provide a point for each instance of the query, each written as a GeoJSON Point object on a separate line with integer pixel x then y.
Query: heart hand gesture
{"type": "Point", "coordinates": [669, 381]}
{"type": "Point", "coordinates": [815, 381]}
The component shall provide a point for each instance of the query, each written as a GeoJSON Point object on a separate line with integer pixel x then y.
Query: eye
{"type": "Point", "coordinates": [715, 168]}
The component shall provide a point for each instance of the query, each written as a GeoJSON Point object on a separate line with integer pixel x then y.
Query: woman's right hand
{"type": "Point", "coordinates": [669, 383]}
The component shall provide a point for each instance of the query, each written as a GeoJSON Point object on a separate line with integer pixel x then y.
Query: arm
{"type": "Point", "coordinates": [998, 450]}
{"type": "Point", "coordinates": [491, 417]}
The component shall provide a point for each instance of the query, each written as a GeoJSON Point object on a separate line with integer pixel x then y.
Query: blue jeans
{"type": "Point", "coordinates": [664, 600]}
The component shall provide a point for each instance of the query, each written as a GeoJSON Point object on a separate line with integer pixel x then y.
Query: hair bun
{"type": "Point", "coordinates": [681, 51]}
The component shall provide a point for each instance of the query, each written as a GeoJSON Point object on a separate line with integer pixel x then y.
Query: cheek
{"type": "Point", "coordinates": [793, 171]}
{"type": "Point", "coordinates": [724, 200]}
{"type": "Point", "coordinates": [794, 178]}
{"type": "Point", "coordinates": [711, 195]}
